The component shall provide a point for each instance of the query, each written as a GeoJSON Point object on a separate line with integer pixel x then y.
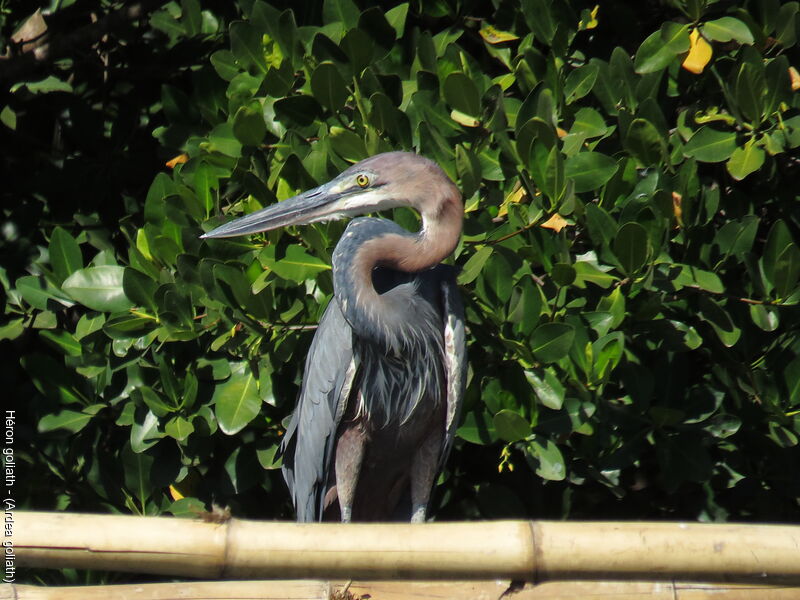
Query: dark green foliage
{"type": "Point", "coordinates": [629, 263]}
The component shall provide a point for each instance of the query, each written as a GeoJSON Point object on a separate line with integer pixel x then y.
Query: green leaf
{"type": "Point", "coordinates": [267, 456]}
{"type": "Point", "coordinates": [745, 160]}
{"type": "Point", "coordinates": [127, 326]}
{"type": "Point", "coordinates": [602, 228]}
{"type": "Point", "coordinates": [510, 426]}
{"type": "Point", "coordinates": [359, 48]}
{"type": "Point", "coordinates": [373, 22]}
{"type": "Point", "coordinates": [720, 321]}
{"type": "Point", "coordinates": [248, 125]}
{"type": "Point", "coordinates": [779, 240]}
{"type": "Point", "coordinates": [782, 436]}
{"type": "Point", "coordinates": [765, 317]}
{"type": "Point", "coordinates": [551, 341]}
{"type": "Point", "coordinates": [461, 93]}
{"type": "Point", "coordinates": [298, 265]}
{"type": "Point", "coordinates": [63, 341]}
{"type": "Point", "coordinates": [614, 304]}
{"type": "Point", "coordinates": [205, 180]}
{"type": "Point", "coordinates": [329, 87]}
{"type": "Point", "coordinates": [246, 46]}
{"type": "Point", "coordinates": [225, 64]}
{"type": "Point", "coordinates": [749, 91]}
{"type": "Point", "coordinates": [163, 21]}
{"type": "Point", "coordinates": [659, 49]}
{"type": "Point", "coordinates": [587, 272]}
{"type": "Point", "coordinates": [549, 390]}
{"type": "Point", "coordinates": [236, 401]}
{"type": "Point", "coordinates": [472, 268]}
{"type": "Point", "coordinates": [138, 468]}
{"type": "Point", "coordinates": [736, 237]}
{"type": "Point", "coordinates": [589, 122]}
{"type": "Point", "coordinates": [554, 182]}
{"type": "Point", "coordinates": [496, 284]}
{"type": "Point", "coordinates": [607, 352]}
{"type": "Point", "coordinates": [397, 18]}
{"type": "Point", "coordinates": [190, 17]}
{"type": "Point", "coordinates": [600, 321]}
{"type": "Point", "coordinates": [631, 247]}
{"type": "Point", "coordinates": [726, 29]}
{"type": "Point", "coordinates": [222, 140]}
{"type": "Point", "coordinates": [723, 426]}
{"type": "Point", "coordinates": [698, 278]}
{"type": "Point", "coordinates": [68, 420]}
{"type": "Point", "coordinates": [468, 168]}
{"type": "Point", "coordinates": [40, 293]}
{"type": "Point", "coordinates": [590, 170]}
{"type": "Point", "coordinates": [786, 271]}
{"type": "Point", "coordinates": [47, 85]}
{"type": "Point", "coordinates": [347, 144]}
{"type": "Point", "coordinates": [710, 145]}
{"type": "Point", "coordinates": [550, 460]}
{"type": "Point", "coordinates": [65, 254]}
{"type": "Point", "coordinates": [477, 428]}
{"type": "Point", "coordinates": [99, 288]}
{"type": "Point", "coordinates": [791, 376]}
{"type": "Point", "coordinates": [563, 274]}
{"type": "Point", "coordinates": [153, 400]}
{"type": "Point", "coordinates": [88, 324]}
{"type": "Point", "coordinates": [534, 140]}
{"type": "Point", "coordinates": [643, 141]}
{"type": "Point", "coordinates": [340, 11]}
{"type": "Point", "coordinates": [51, 378]}
{"type": "Point", "coordinates": [580, 82]}
{"type": "Point", "coordinates": [178, 428]}
{"type": "Point", "coordinates": [139, 289]}
{"type": "Point", "coordinates": [539, 17]}
{"type": "Point", "coordinates": [778, 89]}
{"type": "Point", "coordinates": [144, 430]}
{"type": "Point", "coordinates": [786, 27]}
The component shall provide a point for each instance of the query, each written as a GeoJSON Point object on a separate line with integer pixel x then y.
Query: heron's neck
{"type": "Point", "coordinates": [368, 243]}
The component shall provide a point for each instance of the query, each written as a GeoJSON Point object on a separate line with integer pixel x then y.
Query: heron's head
{"type": "Point", "coordinates": [377, 183]}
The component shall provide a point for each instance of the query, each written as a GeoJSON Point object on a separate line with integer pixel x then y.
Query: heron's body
{"type": "Point", "coordinates": [384, 376]}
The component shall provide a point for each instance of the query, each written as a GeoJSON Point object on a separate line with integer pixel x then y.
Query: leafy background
{"type": "Point", "coordinates": [629, 262]}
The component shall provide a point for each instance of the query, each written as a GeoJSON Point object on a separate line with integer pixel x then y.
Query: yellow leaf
{"type": "Point", "coordinates": [699, 53]}
{"type": "Point", "coordinates": [794, 76]}
{"type": "Point", "coordinates": [676, 208]}
{"type": "Point", "coordinates": [556, 223]}
{"type": "Point", "coordinates": [560, 132]}
{"type": "Point", "coordinates": [186, 487]}
{"type": "Point", "coordinates": [589, 19]}
{"type": "Point", "coordinates": [495, 36]}
{"type": "Point", "coordinates": [463, 119]}
{"type": "Point", "coordinates": [516, 197]}
{"type": "Point", "coordinates": [178, 160]}
{"type": "Point", "coordinates": [32, 33]}
{"type": "Point", "coordinates": [143, 244]}
{"type": "Point", "coordinates": [176, 495]}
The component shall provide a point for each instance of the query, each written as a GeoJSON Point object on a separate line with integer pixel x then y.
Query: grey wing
{"type": "Point", "coordinates": [455, 358]}
{"type": "Point", "coordinates": [310, 438]}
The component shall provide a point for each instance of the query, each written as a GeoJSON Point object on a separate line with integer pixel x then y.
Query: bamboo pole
{"type": "Point", "coordinates": [517, 550]}
{"type": "Point", "coordinates": [404, 590]}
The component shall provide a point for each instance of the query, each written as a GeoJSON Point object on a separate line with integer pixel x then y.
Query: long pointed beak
{"type": "Point", "coordinates": [308, 207]}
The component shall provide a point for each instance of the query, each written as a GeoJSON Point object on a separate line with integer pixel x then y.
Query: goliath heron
{"type": "Point", "coordinates": [385, 374]}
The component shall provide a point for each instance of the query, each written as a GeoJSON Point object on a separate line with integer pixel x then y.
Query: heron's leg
{"type": "Point", "coordinates": [349, 456]}
{"type": "Point", "coordinates": [423, 472]}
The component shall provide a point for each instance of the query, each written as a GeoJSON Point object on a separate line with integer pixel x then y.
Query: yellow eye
{"type": "Point", "coordinates": [362, 180]}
